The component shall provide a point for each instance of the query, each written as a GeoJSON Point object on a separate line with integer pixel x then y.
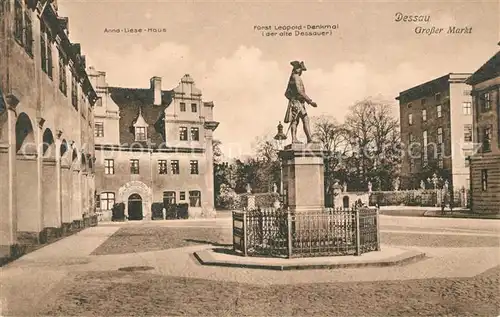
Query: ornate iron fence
{"type": "Point", "coordinates": [281, 233]}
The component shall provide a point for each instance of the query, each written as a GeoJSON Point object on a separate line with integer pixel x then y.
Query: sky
{"type": "Point", "coordinates": [368, 55]}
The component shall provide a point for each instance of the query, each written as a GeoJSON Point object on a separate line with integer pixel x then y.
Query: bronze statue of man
{"type": "Point", "coordinates": [296, 95]}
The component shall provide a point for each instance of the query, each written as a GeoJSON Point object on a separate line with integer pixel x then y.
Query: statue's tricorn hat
{"type": "Point", "coordinates": [297, 64]}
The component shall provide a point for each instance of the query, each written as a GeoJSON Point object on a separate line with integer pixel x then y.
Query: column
{"type": "Point", "coordinates": [209, 179]}
{"type": "Point", "coordinates": [29, 212]}
{"type": "Point", "coordinates": [50, 201]}
{"type": "Point", "coordinates": [8, 215]}
{"type": "Point", "coordinates": [75, 195]}
{"type": "Point", "coordinates": [66, 193]}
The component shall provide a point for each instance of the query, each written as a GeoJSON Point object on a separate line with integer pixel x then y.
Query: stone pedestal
{"type": "Point", "coordinates": [303, 177]}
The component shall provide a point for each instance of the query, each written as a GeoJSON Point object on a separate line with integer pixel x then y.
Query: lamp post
{"type": "Point", "coordinates": [280, 138]}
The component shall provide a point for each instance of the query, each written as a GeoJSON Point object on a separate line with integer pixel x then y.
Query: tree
{"type": "Point", "coordinates": [334, 140]}
{"type": "Point", "coordinates": [375, 142]}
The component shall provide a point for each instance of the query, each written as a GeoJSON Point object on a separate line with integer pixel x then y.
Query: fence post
{"type": "Point", "coordinates": [232, 225]}
{"type": "Point", "coordinates": [378, 230]}
{"type": "Point", "coordinates": [289, 232]}
{"type": "Point", "coordinates": [244, 233]}
{"type": "Point", "coordinates": [358, 234]}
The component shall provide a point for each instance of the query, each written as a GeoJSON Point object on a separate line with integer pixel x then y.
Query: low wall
{"type": "Point", "coordinates": [424, 198]}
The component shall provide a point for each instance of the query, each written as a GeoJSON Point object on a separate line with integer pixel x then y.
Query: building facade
{"type": "Point", "coordinates": [46, 126]}
{"type": "Point", "coordinates": [436, 129]}
{"type": "Point", "coordinates": [153, 146]}
{"type": "Point", "coordinates": [485, 164]}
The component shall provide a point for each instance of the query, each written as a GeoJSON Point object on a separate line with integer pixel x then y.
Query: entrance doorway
{"type": "Point", "coordinates": [135, 207]}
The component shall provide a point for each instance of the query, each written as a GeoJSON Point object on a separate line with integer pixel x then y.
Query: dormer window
{"type": "Point", "coordinates": [141, 128]}
{"type": "Point", "coordinates": [140, 134]}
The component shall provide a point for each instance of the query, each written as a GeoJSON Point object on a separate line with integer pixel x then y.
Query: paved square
{"type": "Point", "coordinates": [80, 275]}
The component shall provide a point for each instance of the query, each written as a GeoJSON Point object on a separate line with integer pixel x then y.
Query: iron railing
{"type": "Point", "coordinates": [283, 233]}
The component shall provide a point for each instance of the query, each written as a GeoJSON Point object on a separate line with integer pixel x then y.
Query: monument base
{"type": "Point", "coordinates": [303, 176]}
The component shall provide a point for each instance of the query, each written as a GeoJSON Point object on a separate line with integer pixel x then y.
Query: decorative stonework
{"type": "Point", "coordinates": [136, 187]}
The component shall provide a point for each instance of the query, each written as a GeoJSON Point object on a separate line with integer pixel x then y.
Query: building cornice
{"type": "Point", "coordinates": [154, 149]}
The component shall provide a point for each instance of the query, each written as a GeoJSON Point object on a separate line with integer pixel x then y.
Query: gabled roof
{"type": "Point", "coordinates": [490, 69]}
{"type": "Point", "coordinates": [130, 100]}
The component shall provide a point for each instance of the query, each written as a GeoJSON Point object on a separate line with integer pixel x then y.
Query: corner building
{"type": "Point", "coordinates": [436, 118]}
{"type": "Point", "coordinates": [153, 146]}
{"type": "Point", "coordinates": [485, 163]}
{"type": "Point", "coordinates": [46, 127]}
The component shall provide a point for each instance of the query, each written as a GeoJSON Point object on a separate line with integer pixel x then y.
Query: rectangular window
{"type": "Point", "coordinates": [169, 198]}
{"type": "Point", "coordinates": [63, 86]}
{"type": "Point", "coordinates": [18, 21]}
{"type": "Point", "coordinates": [423, 102]}
{"type": "Point", "coordinates": [439, 110]}
{"type": "Point", "coordinates": [28, 34]}
{"type": "Point", "coordinates": [486, 101]}
{"type": "Point", "coordinates": [43, 47]}
{"type": "Point", "coordinates": [195, 134]}
{"type": "Point", "coordinates": [424, 115]}
{"type": "Point", "coordinates": [107, 201]}
{"type": "Point", "coordinates": [50, 65]}
{"type": "Point", "coordinates": [424, 136]}
{"type": "Point", "coordinates": [134, 166]}
{"type": "Point", "coordinates": [484, 180]}
{"type": "Point", "coordinates": [140, 134]}
{"type": "Point", "coordinates": [183, 133]}
{"type": "Point", "coordinates": [410, 119]}
{"type": "Point", "coordinates": [487, 139]}
{"type": "Point", "coordinates": [411, 138]}
{"type": "Point", "coordinates": [467, 155]}
{"type": "Point", "coordinates": [193, 166]}
{"type": "Point", "coordinates": [440, 160]}
{"type": "Point", "coordinates": [440, 135]}
{"type": "Point", "coordinates": [99, 129]}
{"type": "Point", "coordinates": [467, 92]}
{"type": "Point", "coordinates": [182, 196]}
{"type": "Point", "coordinates": [467, 108]}
{"type": "Point", "coordinates": [74, 92]}
{"type": "Point", "coordinates": [468, 133]}
{"type": "Point", "coordinates": [109, 166]}
{"type": "Point", "coordinates": [412, 165]}
{"type": "Point", "coordinates": [174, 166]}
{"type": "Point", "coordinates": [162, 167]}
{"type": "Point", "coordinates": [194, 107]}
{"type": "Point", "coordinates": [183, 106]}
{"type": "Point", "coordinates": [437, 97]}
{"type": "Point", "coordinates": [194, 198]}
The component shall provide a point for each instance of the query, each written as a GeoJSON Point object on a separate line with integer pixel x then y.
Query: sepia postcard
{"type": "Point", "coordinates": [249, 158]}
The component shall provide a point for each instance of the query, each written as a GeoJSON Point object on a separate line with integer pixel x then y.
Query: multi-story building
{"type": "Point", "coordinates": [436, 129]}
{"type": "Point", "coordinates": [46, 126]}
{"type": "Point", "coordinates": [153, 145]}
{"type": "Point", "coordinates": [485, 163]}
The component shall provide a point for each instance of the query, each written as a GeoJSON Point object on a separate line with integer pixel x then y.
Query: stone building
{"type": "Point", "coordinates": [436, 129]}
{"type": "Point", "coordinates": [153, 145]}
{"type": "Point", "coordinates": [485, 164]}
{"type": "Point", "coordinates": [46, 126]}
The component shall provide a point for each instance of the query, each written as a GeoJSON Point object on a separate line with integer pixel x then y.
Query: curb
{"type": "Point", "coordinates": [460, 216]}
{"type": "Point", "coordinates": [205, 258]}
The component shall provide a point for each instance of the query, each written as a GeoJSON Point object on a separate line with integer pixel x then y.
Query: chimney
{"type": "Point", "coordinates": [156, 87]}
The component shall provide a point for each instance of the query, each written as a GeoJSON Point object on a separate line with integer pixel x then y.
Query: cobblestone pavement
{"type": "Point", "coordinates": [79, 275]}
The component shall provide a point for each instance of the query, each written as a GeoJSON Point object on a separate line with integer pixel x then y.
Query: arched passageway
{"type": "Point", "coordinates": [135, 207]}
